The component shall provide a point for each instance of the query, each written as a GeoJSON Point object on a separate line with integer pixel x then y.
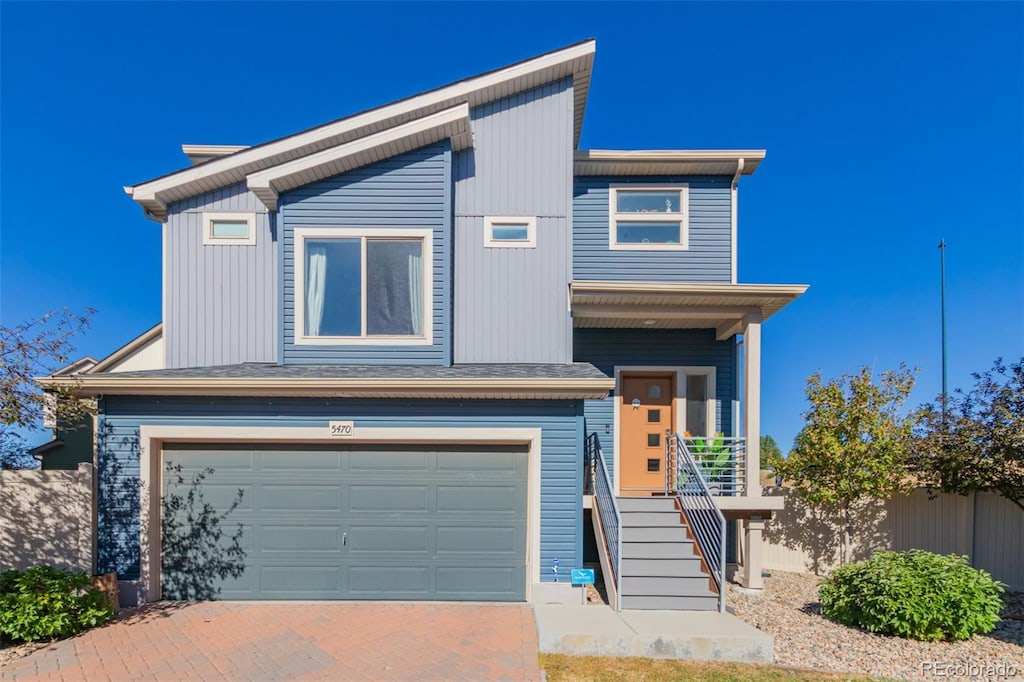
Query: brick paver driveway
{"type": "Point", "coordinates": [298, 641]}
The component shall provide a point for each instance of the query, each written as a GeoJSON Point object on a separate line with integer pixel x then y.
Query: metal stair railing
{"type": "Point", "coordinates": [684, 480]}
{"type": "Point", "coordinates": [608, 511]}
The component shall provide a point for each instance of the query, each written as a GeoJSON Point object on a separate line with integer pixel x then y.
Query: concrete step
{"type": "Point", "coordinates": [646, 503]}
{"type": "Point", "coordinates": [655, 534]}
{"type": "Point", "coordinates": [675, 586]}
{"type": "Point", "coordinates": [645, 518]}
{"type": "Point", "coordinates": [648, 603]}
{"type": "Point", "coordinates": [657, 550]}
{"type": "Point", "coordinates": [662, 567]}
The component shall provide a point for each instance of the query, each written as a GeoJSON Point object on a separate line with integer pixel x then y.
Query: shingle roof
{"type": "Point", "coordinates": [259, 370]}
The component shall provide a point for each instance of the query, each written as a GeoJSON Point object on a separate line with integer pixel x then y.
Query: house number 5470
{"type": "Point", "coordinates": [341, 429]}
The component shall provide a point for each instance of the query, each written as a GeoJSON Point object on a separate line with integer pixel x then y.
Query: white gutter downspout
{"type": "Point", "coordinates": [732, 213]}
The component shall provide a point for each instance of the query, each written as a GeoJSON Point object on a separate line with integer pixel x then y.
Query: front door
{"type": "Point", "coordinates": [645, 415]}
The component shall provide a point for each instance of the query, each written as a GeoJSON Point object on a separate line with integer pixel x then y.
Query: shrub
{"type": "Point", "coordinates": [915, 594]}
{"type": "Point", "coordinates": [47, 603]}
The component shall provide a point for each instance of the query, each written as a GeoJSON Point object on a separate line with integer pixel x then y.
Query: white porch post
{"type": "Point", "coordinates": [752, 401]}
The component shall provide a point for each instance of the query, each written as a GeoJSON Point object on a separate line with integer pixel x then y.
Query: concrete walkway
{"type": "Point", "coordinates": [308, 641]}
{"type": "Point", "coordinates": [598, 630]}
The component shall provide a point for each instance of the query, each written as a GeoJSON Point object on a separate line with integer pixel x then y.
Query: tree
{"type": "Point", "coordinates": [770, 453]}
{"type": "Point", "coordinates": [35, 348]}
{"type": "Point", "coordinates": [979, 445]}
{"type": "Point", "coordinates": [855, 443]}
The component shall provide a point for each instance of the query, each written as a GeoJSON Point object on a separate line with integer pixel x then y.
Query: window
{"type": "Point", "coordinates": [697, 404]}
{"type": "Point", "coordinates": [646, 218]}
{"type": "Point", "coordinates": [229, 228]}
{"type": "Point", "coordinates": [363, 286]}
{"type": "Point", "coordinates": [510, 232]}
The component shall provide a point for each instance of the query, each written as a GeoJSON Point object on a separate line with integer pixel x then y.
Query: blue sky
{"type": "Point", "coordinates": [888, 126]}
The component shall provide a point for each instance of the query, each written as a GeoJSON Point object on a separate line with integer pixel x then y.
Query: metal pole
{"type": "Point", "coordinates": [942, 272]}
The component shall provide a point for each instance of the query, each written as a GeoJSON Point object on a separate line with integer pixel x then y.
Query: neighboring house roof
{"type": "Point", "coordinates": [78, 366]}
{"type": "Point", "coordinates": [575, 61]}
{"type": "Point", "coordinates": [499, 381]}
{"type": "Point", "coordinates": [126, 351]}
{"type": "Point", "coordinates": [40, 450]}
{"type": "Point", "coordinates": [667, 162]}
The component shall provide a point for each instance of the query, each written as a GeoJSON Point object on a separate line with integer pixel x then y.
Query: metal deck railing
{"type": "Point", "coordinates": [608, 511]}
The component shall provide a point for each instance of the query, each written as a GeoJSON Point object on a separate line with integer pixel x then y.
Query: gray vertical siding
{"type": "Point", "coordinates": [561, 516]}
{"type": "Point", "coordinates": [708, 258]}
{"type": "Point", "coordinates": [607, 349]}
{"type": "Point", "coordinates": [221, 301]}
{"type": "Point", "coordinates": [510, 304]}
{"type": "Point", "coordinates": [407, 191]}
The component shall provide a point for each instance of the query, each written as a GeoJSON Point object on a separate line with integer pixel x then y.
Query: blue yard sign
{"type": "Point", "coordinates": [582, 576]}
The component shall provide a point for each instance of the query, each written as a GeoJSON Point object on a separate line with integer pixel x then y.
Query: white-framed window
{"type": "Point", "coordinates": [649, 217]}
{"type": "Point", "coordinates": [363, 286]}
{"type": "Point", "coordinates": [238, 229]}
{"type": "Point", "coordinates": [510, 232]}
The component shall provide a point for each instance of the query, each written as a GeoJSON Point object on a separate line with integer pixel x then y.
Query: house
{"type": "Point", "coordinates": [399, 347]}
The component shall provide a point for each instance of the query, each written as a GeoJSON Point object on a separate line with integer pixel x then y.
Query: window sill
{"type": "Point", "coordinates": [649, 247]}
{"type": "Point", "coordinates": [364, 341]}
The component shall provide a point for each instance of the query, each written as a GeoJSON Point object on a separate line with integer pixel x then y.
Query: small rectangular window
{"type": "Point", "coordinates": [697, 404]}
{"type": "Point", "coordinates": [654, 465]}
{"type": "Point", "coordinates": [653, 440]}
{"type": "Point", "coordinates": [653, 416]}
{"type": "Point", "coordinates": [648, 218]}
{"type": "Point", "coordinates": [510, 232]}
{"type": "Point", "coordinates": [238, 229]}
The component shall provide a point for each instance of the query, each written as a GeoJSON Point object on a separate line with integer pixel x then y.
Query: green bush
{"type": "Point", "coordinates": [915, 594]}
{"type": "Point", "coordinates": [47, 603]}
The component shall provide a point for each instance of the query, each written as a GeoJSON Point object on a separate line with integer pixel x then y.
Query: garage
{"type": "Point", "coordinates": [352, 521]}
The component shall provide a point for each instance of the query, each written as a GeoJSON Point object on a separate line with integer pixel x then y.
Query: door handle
{"type": "Point", "coordinates": [344, 539]}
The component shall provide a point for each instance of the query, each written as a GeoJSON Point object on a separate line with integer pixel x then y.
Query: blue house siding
{"type": "Point", "coordinates": [220, 304]}
{"type": "Point", "coordinates": [708, 259]}
{"type": "Point", "coordinates": [607, 349]}
{"type": "Point", "coordinates": [561, 518]}
{"type": "Point", "coordinates": [407, 191]}
{"type": "Point", "coordinates": [510, 302]}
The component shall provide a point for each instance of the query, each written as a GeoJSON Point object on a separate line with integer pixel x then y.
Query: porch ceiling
{"type": "Point", "coordinates": [654, 305]}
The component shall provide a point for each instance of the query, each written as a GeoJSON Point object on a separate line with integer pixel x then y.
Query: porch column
{"type": "Point", "coordinates": [752, 401]}
{"type": "Point", "coordinates": [750, 577]}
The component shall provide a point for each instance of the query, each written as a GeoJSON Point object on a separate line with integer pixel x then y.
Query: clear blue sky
{"type": "Point", "coordinates": [887, 127]}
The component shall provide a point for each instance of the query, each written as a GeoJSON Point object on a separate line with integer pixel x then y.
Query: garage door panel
{"type": "Point", "coordinates": [388, 498]}
{"type": "Point", "coordinates": [311, 461]}
{"type": "Point", "coordinates": [292, 538]}
{"type": "Point", "coordinates": [388, 538]}
{"type": "Point", "coordinates": [420, 522]}
{"type": "Point", "coordinates": [320, 498]}
{"type": "Point", "coordinates": [389, 461]}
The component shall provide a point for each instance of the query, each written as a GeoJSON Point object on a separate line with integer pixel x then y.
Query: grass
{"type": "Point", "coordinates": [561, 668]}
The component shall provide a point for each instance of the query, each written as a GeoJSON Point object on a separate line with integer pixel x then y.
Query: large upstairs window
{"type": "Point", "coordinates": [362, 286]}
{"type": "Point", "coordinates": [648, 217]}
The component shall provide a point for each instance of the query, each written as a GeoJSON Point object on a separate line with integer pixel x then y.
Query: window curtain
{"type": "Point", "coordinates": [316, 284]}
{"type": "Point", "coordinates": [416, 292]}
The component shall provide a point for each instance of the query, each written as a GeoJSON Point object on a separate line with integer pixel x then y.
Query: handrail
{"type": "Point", "coordinates": [684, 480]}
{"type": "Point", "coordinates": [608, 510]}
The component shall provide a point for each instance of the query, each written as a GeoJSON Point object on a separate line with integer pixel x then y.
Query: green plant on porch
{"type": "Point", "coordinates": [713, 456]}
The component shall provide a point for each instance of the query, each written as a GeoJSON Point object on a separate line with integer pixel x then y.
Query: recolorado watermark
{"type": "Point", "coordinates": [991, 670]}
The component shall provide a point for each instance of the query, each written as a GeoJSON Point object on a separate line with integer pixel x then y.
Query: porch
{"type": "Point", "coordinates": [681, 429]}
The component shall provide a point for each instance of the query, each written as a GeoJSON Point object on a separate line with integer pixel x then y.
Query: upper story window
{"type": "Point", "coordinates": [648, 218]}
{"type": "Point", "coordinates": [363, 286]}
{"type": "Point", "coordinates": [229, 228]}
{"type": "Point", "coordinates": [510, 232]}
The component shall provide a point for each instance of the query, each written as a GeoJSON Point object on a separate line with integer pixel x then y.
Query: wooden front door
{"type": "Point", "coordinates": [645, 414]}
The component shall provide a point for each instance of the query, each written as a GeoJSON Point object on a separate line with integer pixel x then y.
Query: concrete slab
{"type": "Point", "coordinates": [688, 635]}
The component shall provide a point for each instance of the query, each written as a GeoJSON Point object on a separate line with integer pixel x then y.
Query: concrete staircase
{"type": "Point", "coordinates": [661, 568]}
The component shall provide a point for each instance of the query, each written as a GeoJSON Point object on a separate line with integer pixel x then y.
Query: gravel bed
{"type": "Point", "coordinates": [12, 653]}
{"type": "Point", "coordinates": [789, 609]}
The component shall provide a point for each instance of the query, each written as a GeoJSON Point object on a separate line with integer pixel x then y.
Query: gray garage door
{"type": "Point", "coordinates": [345, 522]}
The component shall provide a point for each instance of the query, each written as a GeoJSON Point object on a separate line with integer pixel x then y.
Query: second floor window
{"type": "Point", "coordinates": [648, 218]}
{"type": "Point", "coordinates": [362, 287]}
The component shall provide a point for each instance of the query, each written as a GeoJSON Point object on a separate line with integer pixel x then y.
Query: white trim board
{"type": "Point", "coordinates": [680, 372]}
{"type": "Point", "coordinates": [152, 437]}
